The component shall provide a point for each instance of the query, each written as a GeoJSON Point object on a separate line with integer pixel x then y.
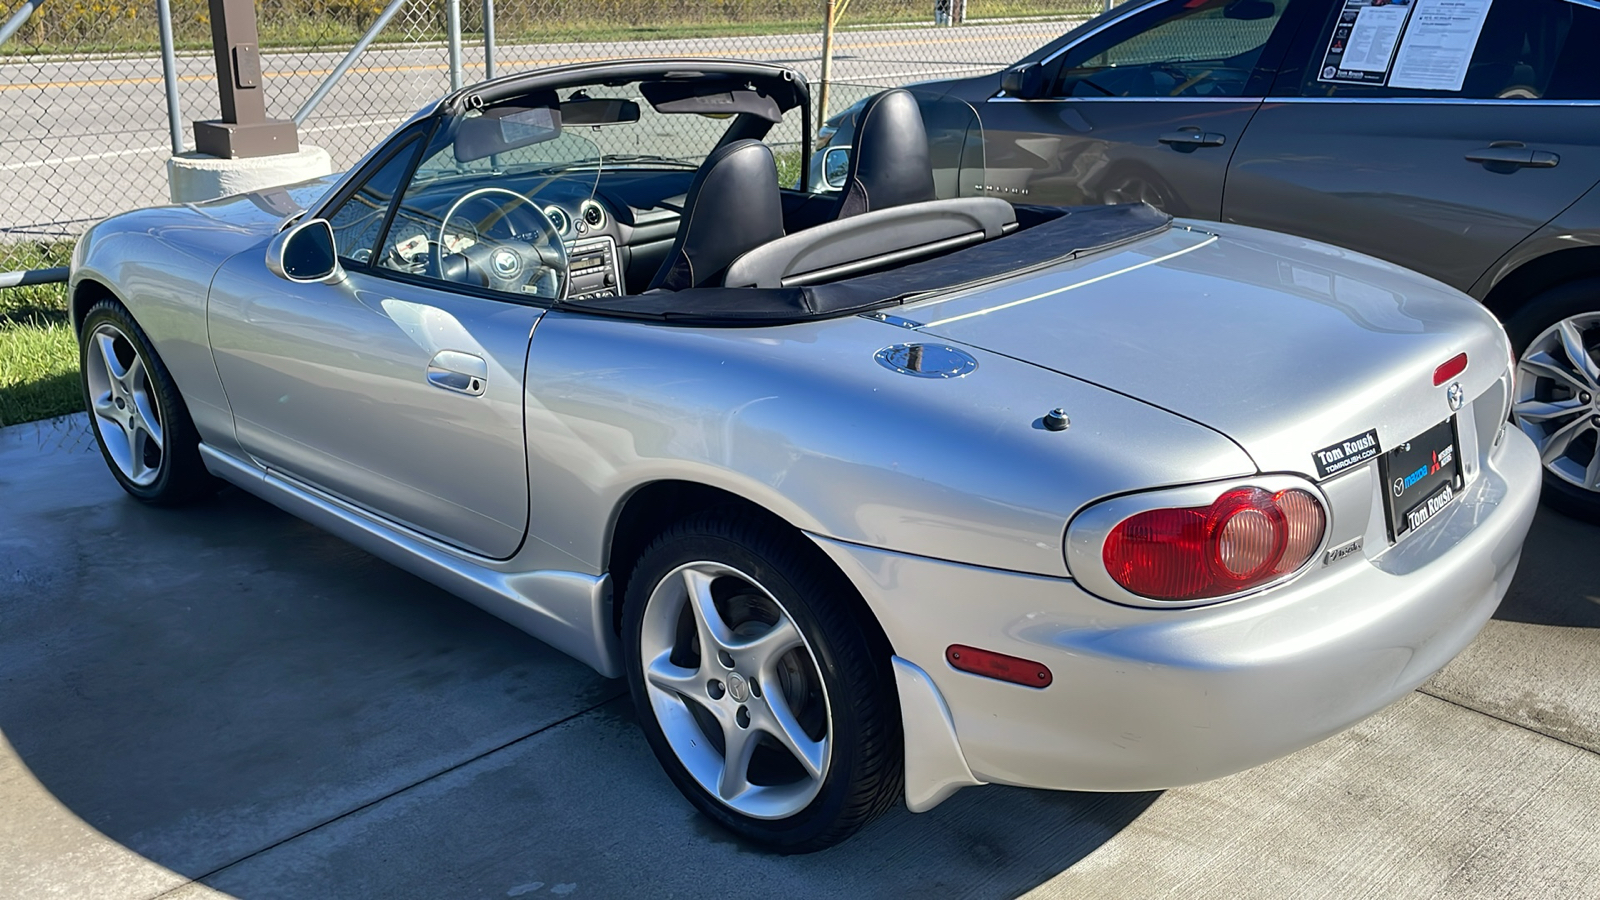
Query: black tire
{"type": "Point", "coordinates": [1523, 326]}
{"type": "Point", "coordinates": [180, 475]}
{"type": "Point", "coordinates": [865, 775]}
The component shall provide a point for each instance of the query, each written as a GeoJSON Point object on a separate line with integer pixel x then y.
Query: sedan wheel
{"type": "Point", "coordinates": [761, 682]}
{"type": "Point", "coordinates": [1558, 399]}
{"type": "Point", "coordinates": [139, 418]}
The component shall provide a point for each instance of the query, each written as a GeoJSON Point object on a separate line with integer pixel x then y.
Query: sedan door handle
{"type": "Point", "coordinates": [1507, 158]}
{"type": "Point", "coordinates": [463, 373]}
{"type": "Point", "coordinates": [1188, 140]}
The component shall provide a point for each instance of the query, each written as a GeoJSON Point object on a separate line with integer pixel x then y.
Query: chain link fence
{"type": "Point", "coordinates": [83, 99]}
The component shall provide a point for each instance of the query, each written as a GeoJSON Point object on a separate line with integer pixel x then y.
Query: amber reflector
{"type": "Point", "coordinates": [990, 664]}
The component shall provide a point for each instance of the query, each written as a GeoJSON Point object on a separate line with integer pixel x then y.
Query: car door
{"type": "Point", "coordinates": [1147, 107]}
{"type": "Point", "coordinates": [401, 396]}
{"type": "Point", "coordinates": [1476, 124]}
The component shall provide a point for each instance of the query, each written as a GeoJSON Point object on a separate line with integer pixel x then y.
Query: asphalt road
{"type": "Point", "coordinates": [226, 701]}
{"type": "Point", "coordinates": [88, 137]}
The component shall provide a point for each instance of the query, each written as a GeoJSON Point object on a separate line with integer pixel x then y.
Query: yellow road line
{"type": "Point", "coordinates": [303, 73]}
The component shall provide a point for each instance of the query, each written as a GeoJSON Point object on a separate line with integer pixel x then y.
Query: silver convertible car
{"type": "Point", "coordinates": [868, 495]}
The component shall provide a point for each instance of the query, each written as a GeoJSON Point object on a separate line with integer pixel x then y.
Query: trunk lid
{"type": "Point", "coordinates": [1287, 346]}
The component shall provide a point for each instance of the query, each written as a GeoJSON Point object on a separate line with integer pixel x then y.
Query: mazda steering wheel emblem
{"type": "Point", "coordinates": [505, 263]}
{"type": "Point", "coordinates": [1456, 395]}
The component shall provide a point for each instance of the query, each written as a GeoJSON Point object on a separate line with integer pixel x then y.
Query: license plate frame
{"type": "Point", "coordinates": [1420, 478]}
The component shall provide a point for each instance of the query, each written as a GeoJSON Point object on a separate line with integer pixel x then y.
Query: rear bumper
{"type": "Point", "coordinates": [1156, 698]}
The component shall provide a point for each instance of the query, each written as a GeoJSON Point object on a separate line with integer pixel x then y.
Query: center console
{"type": "Point", "coordinates": [592, 268]}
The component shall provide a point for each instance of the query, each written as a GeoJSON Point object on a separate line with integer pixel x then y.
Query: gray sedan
{"type": "Point", "coordinates": [1458, 139]}
{"type": "Point", "coordinates": [868, 497]}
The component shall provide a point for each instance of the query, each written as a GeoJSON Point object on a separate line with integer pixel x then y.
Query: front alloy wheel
{"type": "Point", "coordinates": [139, 418]}
{"type": "Point", "coordinates": [761, 682]}
{"type": "Point", "coordinates": [123, 402]}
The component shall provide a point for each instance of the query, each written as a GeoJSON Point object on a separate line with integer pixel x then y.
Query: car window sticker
{"type": "Point", "coordinates": [1362, 46]}
{"type": "Point", "coordinates": [1438, 44]}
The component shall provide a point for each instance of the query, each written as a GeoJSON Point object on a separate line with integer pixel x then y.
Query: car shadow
{"type": "Point", "coordinates": [1558, 580]}
{"type": "Point", "coordinates": [200, 685]}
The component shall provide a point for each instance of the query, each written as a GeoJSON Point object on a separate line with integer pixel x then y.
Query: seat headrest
{"type": "Point", "coordinates": [733, 206]}
{"type": "Point", "coordinates": [889, 162]}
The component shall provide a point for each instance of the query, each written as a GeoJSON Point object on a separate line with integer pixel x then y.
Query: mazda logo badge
{"type": "Point", "coordinates": [505, 263]}
{"type": "Point", "coordinates": [1456, 395]}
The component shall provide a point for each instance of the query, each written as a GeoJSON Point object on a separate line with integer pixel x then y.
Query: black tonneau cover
{"type": "Point", "coordinates": [1049, 235]}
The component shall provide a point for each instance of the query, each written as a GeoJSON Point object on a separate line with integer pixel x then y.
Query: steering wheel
{"type": "Point", "coordinates": [504, 264]}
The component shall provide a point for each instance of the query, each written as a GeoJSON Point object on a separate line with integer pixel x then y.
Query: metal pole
{"type": "Point", "coordinates": [827, 57]}
{"type": "Point", "coordinates": [452, 12]}
{"type": "Point", "coordinates": [169, 75]}
{"type": "Point", "coordinates": [1108, 5]}
{"type": "Point", "coordinates": [488, 39]}
{"type": "Point", "coordinates": [349, 60]}
{"type": "Point", "coordinates": [16, 20]}
{"type": "Point", "coordinates": [33, 276]}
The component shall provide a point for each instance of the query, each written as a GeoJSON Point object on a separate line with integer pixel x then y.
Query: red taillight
{"type": "Point", "coordinates": [1244, 539]}
{"type": "Point", "coordinates": [1449, 369]}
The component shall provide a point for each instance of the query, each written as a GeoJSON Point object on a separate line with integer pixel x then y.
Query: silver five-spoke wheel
{"type": "Point", "coordinates": [1557, 401]}
{"type": "Point", "coordinates": [122, 399]}
{"type": "Point", "coordinates": [735, 689]}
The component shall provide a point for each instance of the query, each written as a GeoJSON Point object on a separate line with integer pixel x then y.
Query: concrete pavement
{"type": "Point", "coordinates": [225, 701]}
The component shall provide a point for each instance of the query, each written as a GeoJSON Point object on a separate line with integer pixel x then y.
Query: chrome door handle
{"type": "Point", "coordinates": [1188, 140]}
{"type": "Point", "coordinates": [463, 373]}
{"type": "Point", "coordinates": [1509, 157]}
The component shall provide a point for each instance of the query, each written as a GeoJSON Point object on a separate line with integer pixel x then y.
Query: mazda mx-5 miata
{"type": "Point", "coordinates": [868, 495]}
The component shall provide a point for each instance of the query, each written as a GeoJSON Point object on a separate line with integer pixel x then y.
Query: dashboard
{"type": "Point", "coordinates": [601, 234]}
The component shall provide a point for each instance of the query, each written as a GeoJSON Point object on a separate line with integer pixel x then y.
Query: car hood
{"type": "Point", "coordinates": [262, 211]}
{"type": "Point", "coordinates": [1287, 346]}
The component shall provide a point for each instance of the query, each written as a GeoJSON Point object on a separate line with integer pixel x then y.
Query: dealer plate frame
{"type": "Point", "coordinates": [1399, 463]}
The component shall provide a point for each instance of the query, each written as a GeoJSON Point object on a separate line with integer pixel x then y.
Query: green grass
{"type": "Point", "coordinates": [38, 353]}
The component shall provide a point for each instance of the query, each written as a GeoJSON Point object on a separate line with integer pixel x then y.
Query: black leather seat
{"type": "Point", "coordinates": [889, 160]}
{"type": "Point", "coordinates": [733, 206]}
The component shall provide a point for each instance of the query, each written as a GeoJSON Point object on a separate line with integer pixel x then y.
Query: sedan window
{"type": "Point", "coordinates": [1525, 50]}
{"type": "Point", "coordinates": [1198, 48]}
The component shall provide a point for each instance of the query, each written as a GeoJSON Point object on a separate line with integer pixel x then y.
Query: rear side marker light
{"type": "Point", "coordinates": [1449, 369]}
{"type": "Point", "coordinates": [990, 664]}
{"type": "Point", "coordinates": [1245, 539]}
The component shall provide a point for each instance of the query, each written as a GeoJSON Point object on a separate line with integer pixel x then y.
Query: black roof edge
{"type": "Point", "coordinates": [507, 86]}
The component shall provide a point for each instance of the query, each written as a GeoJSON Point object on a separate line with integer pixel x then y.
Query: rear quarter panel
{"type": "Point", "coordinates": [802, 420]}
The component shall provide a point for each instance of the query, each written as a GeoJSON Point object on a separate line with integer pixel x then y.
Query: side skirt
{"type": "Point", "coordinates": [570, 611]}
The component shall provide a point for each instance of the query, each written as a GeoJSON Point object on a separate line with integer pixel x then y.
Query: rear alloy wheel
{"type": "Point", "coordinates": [139, 418]}
{"type": "Point", "coordinates": [757, 690]}
{"type": "Point", "coordinates": [1557, 400]}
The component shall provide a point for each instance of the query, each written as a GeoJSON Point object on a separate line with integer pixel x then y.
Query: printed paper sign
{"type": "Point", "coordinates": [1363, 42]}
{"type": "Point", "coordinates": [1438, 44]}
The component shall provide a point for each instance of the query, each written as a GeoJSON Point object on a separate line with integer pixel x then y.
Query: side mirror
{"type": "Point", "coordinates": [836, 167]}
{"type": "Point", "coordinates": [305, 253]}
{"type": "Point", "coordinates": [1025, 82]}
